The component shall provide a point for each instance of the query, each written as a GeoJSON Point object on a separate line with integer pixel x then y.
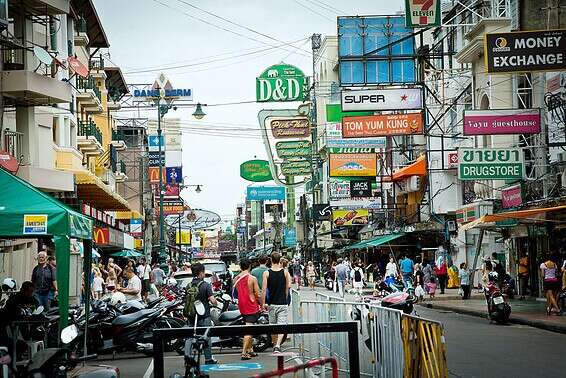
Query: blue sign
{"type": "Point", "coordinates": [265, 193]}
{"type": "Point", "coordinates": [369, 54]}
{"type": "Point", "coordinates": [235, 366]}
{"type": "Point", "coordinates": [290, 237]}
{"type": "Point", "coordinates": [173, 174]}
{"type": "Point", "coordinates": [153, 142]}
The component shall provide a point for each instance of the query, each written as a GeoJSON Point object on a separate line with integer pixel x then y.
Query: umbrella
{"type": "Point", "coordinates": [127, 253]}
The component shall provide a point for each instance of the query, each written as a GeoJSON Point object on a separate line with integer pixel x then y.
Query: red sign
{"type": "Point", "coordinates": [452, 160]}
{"type": "Point", "coordinates": [8, 162]}
{"type": "Point", "coordinates": [76, 65]}
{"type": "Point", "coordinates": [508, 121]}
{"type": "Point", "coordinates": [172, 192]}
{"type": "Point", "coordinates": [511, 197]}
{"type": "Point", "coordinates": [382, 125]}
{"type": "Point", "coordinates": [101, 236]}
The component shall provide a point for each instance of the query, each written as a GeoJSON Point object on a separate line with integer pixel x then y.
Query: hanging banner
{"type": "Point", "coordinates": [422, 13]}
{"type": "Point", "coordinates": [511, 196]}
{"type": "Point", "coordinates": [360, 188]}
{"type": "Point", "coordinates": [382, 125]}
{"type": "Point", "coordinates": [174, 174]}
{"type": "Point", "coordinates": [490, 164]}
{"type": "Point", "coordinates": [525, 51]}
{"type": "Point", "coordinates": [494, 122]}
{"type": "Point", "coordinates": [280, 83]}
{"type": "Point", "coordinates": [382, 99]}
{"type": "Point", "coordinates": [353, 165]}
{"type": "Point", "coordinates": [342, 217]}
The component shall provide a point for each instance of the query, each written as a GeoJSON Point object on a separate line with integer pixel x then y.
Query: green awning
{"type": "Point", "coordinates": [376, 242]}
{"type": "Point", "coordinates": [127, 253]}
{"type": "Point", "coordinates": [27, 211]}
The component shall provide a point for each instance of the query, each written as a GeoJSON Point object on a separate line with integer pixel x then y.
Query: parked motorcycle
{"type": "Point", "coordinates": [400, 300]}
{"type": "Point", "coordinates": [498, 309]}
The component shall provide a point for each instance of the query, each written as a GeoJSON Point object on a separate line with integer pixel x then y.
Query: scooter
{"type": "Point", "coordinates": [498, 309]}
{"type": "Point", "coordinates": [400, 300]}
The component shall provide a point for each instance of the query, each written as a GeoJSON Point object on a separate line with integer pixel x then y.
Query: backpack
{"type": "Point", "coordinates": [190, 299]}
{"type": "Point", "coordinates": [498, 267]}
{"type": "Point", "coordinates": [357, 275]}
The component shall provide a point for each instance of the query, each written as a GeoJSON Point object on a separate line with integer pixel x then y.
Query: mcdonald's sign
{"type": "Point", "coordinates": [101, 236]}
{"type": "Point", "coordinates": [153, 174]}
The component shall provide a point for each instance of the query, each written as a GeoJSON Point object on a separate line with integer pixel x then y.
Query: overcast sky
{"type": "Point", "coordinates": [220, 61]}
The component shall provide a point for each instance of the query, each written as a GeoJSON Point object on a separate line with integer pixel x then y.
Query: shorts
{"type": "Point", "coordinates": [551, 285]}
{"type": "Point", "coordinates": [145, 286]}
{"type": "Point", "coordinates": [250, 318]}
{"type": "Point", "coordinates": [278, 314]}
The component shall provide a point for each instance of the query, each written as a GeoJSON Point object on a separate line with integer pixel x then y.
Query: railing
{"type": "Point", "coordinates": [96, 63]}
{"type": "Point", "coordinates": [12, 143]}
{"type": "Point", "coordinates": [88, 84]}
{"type": "Point", "coordinates": [81, 25]}
{"type": "Point", "coordinates": [13, 59]}
{"type": "Point", "coordinates": [122, 167]}
{"type": "Point", "coordinates": [88, 129]}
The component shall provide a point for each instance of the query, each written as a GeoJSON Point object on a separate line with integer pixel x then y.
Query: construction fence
{"type": "Point", "coordinates": [391, 343]}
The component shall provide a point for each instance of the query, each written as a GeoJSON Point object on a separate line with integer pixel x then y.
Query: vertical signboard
{"type": "Point", "coordinates": [422, 13]}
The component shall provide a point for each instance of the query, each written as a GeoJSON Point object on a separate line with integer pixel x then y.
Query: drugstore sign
{"type": "Point", "coordinates": [490, 164]}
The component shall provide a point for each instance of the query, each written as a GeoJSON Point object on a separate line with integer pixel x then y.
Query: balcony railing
{"type": "Point", "coordinates": [122, 167]}
{"type": "Point", "coordinates": [81, 25]}
{"type": "Point", "coordinates": [88, 83]}
{"type": "Point", "coordinates": [96, 63]}
{"type": "Point", "coordinates": [12, 143]}
{"type": "Point", "coordinates": [88, 128]}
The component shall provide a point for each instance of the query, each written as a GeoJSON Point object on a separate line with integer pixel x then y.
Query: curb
{"type": "Point", "coordinates": [513, 319]}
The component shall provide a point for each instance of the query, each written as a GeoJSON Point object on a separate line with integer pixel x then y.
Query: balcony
{"type": "Point", "coordinates": [96, 67]}
{"type": "Point", "coordinates": [68, 159]}
{"type": "Point", "coordinates": [89, 138]}
{"type": "Point", "coordinates": [120, 173]}
{"type": "Point", "coordinates": [40, 7]}
{"type": "Point", "coordinates": [12, 144]}
{"type": "Point", "coordinates": [89, 95]}
{"type": "Point", "coordinates": [81, 36]}
{"type": "Point", "coordinates": [114, 97]}
{"type": "Point", "coordinates": [117, 141]}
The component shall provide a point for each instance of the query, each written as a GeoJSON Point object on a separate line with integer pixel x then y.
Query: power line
{"type": "Point", "coordinates": [314, 11]}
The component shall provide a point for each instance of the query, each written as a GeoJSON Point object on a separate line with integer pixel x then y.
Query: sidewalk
{"type": "Point", "coordinates": [529, 312]}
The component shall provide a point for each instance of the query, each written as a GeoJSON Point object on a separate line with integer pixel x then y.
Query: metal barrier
{"type": "Point", "coordinates": [424, 348]}
{"type": "Point", "coordinates": [160, 336]}
{"type": "Point", "coordinates": [327, 297]}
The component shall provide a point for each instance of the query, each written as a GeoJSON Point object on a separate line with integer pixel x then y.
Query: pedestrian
{"type": "Point", "coordinates": [341, 276]}
{"type": "Point", "coordinates": [464, 276]}
{"type": "Point", "coordinates": [157, 275]}
{"type": "Point", "coordinates": [277, 282]}
{"type": "Point", "coordinates": [206, 297]}
{"type": "Point", "coordinates": [296, 269]}
{"type": "Point", "coordinates": [144, 271]}
{"type": "Point", "coordinates": [134, 288]}
{"type": "Point", "coordinates": [111, 280]}
{"type": "Point", "coordinates": [97, 285]}
{"type": "Point", "coordinates": [419, 282]}
{"type": "Point", "coordinates": [441, 271]}
{"type": "Point", "coordinates": [549, 275]}
{"type": "Point", "coordinates": [258, 271]}
{"type": "Point", "coordinates": [431, 287]}
{"type": "Point", "coordinates": [407, 266]}
{"type": "Point", "coordinates": [44, 278]}
{"type": "Point", "coordinates": [391, 268]}
{"type": "Point", "coordinates": [523, 275]}
{"type": "Point", "coordinates": [112, 266]}
{"type": "Point", "coordinates": [248, 303]}
{"type": "Point", "coordinates": [357, 276]}
{"type": "Point", "coordinates": [311, 274]}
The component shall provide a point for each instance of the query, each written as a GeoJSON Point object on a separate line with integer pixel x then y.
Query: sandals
{"type": "Point", "coordinates": [251, 353]}
{"type": "Point", "coordinates": [246, 356]}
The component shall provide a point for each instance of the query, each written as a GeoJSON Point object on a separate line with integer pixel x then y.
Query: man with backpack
{"type": "Point", "coordinates": [200, 291]}
{"type": "Point", "coordinates": [357, 276]}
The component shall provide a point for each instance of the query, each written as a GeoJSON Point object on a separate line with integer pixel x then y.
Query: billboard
{"type": "Point", "coordinates": [342, 217]}
{"type": "Point", "coordinates": [508, 121]}
{"type": "Point", "coordinates": [525, 51]}
{"type": "Point", "coordinates": [382, 125]}
{"type": "Point", "coordinates": [281, 82]}
{"type": "Point", "coordinates": [422, 13]}
{"type": "Point", "coordinates": [375, 50]}
{"type": "Point", "coordinates": [490, 164]}
{"type": "Point", "coordinates": [382, 99]}
{"type": "Point", "coordinates": [265, 193]}
{"type": "Point", "coordinates": [353, 165]}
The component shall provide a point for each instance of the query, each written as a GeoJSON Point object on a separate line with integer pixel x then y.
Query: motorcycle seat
{"type": "Point", "coordinates": [229, 316]}
{"type": "Point", "coordinates": [134, 317]}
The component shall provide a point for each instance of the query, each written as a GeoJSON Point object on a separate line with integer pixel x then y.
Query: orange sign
{"type": "Point", "coordinates": [101, 236]}
{"type": "Point", "coordinates": [348, 165]}
{"type": "Point", "coordinates": [153, 173]}
{"type": "Point", "coordinates": [382, 125]}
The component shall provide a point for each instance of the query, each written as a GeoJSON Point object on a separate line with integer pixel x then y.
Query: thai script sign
{"type": "Point", "coordinates": [255, 170]}
{"type": "Point", "coordinates": [422, 13]}
{"type": "Point", "coordinates": [490, 164]}
{"type": "Point", "coordinates": [342, 217]}
{"type": "Point", "coordinates": [321, 212]}
{"type": "Point", "coordinates": [285, 128]}
{"type": "Point", "coordinates": [525, 51]}
{"type": "Point", "coordinates": [511, 196]}
{"type": "Point", "coordinates": [382, 125]}
{"type": "Point", "coordinates": [281, 82]}
{"type": "Point", "coordinates": [512, 121]}
{"type": "Point", "coordinates": [382, 99]}
{"type": "Point", "coordinates": [353, 165]}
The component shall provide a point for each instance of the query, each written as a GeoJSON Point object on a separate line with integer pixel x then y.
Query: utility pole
{"type": "Point", "coordinates": [315, 44]}
{"type": "Point", "coordinates": [161, 218]}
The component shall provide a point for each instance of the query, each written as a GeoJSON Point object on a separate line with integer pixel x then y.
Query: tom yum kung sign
{"type": "Point", "coordinates": [490, 164]}
{"type": "Point", "coordinates": [491, 122]}
{"type": "Point", "coordinates": [525, 51]}
{"type": "Point", "coordinates": [382, 125]}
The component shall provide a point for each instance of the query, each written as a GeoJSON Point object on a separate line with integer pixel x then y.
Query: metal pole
{"type": "Point", "coordinates": [161, 219]}
{"type": "Point", "coordinates": [261, 203]}
{"type": "Point", "coordinates": [180, 240]}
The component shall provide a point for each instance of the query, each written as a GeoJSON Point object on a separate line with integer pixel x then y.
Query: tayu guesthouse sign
{"type": "Point", "coordinates": [256, 171]}
{"type": "Point", "coordinates": [280, 83]}
{"type": "Point", "coordinates": [490, 164]}
{"type": "Point", "coordinates": [525, 51]}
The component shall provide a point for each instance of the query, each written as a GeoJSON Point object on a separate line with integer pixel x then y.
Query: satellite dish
{"type": "Point", "coordinates": [43, 56]}
{"type": "Point", "coordinates": [76, 65]}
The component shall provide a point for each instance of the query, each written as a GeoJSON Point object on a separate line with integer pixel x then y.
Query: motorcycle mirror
{"type": "Point", "coordinates": [69, 333]}
{"type": "Point", "coordinates": [199, 307]}
{"type": "Point", "coordinates": [38, 310]}
{"type": "Point", "coordinates": [226, 297]}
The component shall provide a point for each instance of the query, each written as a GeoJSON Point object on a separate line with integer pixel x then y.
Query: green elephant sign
{"type": "Point", "coordinates": [256, 171]}
{"type": "Point", "coordinates": [280, 83]}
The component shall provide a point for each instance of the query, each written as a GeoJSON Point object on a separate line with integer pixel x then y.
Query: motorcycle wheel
{"type": "Point", "coordinates": [177, 345]}
{"type": "Point", "coordinates": [263, 343]}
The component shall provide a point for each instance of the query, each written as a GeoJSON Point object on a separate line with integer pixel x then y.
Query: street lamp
{"type": "Point", "coordinates": [199, 113]}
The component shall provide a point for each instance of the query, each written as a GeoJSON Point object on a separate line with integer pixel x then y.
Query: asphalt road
{"type": "Point", "coordinates": [475, 348]}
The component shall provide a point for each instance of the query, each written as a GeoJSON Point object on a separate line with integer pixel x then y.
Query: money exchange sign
{"type": "Point", "coordinates": [490, 164]}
